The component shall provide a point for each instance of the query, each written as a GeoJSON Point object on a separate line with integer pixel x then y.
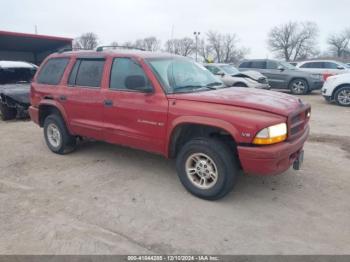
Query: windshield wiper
{"type": "Point", "coordinates": [214, 84]}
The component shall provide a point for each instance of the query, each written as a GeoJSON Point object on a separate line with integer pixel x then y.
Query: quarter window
{"type": "Point", "coordinates": [52, 71]}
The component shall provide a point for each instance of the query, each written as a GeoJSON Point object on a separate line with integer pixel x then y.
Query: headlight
{"type": "Point", "coordinates": [317, 76]}
{"type": "Point", "coordinates": [271, 135]}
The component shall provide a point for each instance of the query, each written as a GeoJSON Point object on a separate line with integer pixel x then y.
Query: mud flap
{"type": "Point", "coordinates": [299, 161]}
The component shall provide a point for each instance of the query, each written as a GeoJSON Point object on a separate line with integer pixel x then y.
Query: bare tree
{"type": "Point", "coordinates": [224, 47]}
{"type": "Point", "coordinates": [86, 41]}
{"type": "Point", "coordinates": [184, 46]}
{"type": "Point", "coordinates": [149, 43]}
{"type": "Point", "coordinates": [293, 41]}
{"type": "Point", "coordinates": [205, 51]}
{"type": "Point", "coordinates": [339, 43]}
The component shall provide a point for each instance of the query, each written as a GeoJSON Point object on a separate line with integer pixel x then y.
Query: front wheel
{"type": "Point", "coordinates": [299, 87]}
{"type": "Point", "coordinates": [57, 136]}
{"type": "Point", "coordinates": [342, 96]}
{"type": "Point", "coordinates": [207, 168]}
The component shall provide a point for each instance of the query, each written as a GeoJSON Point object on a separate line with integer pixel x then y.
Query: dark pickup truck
{"type": "Point", "coordinates": [15, 78]}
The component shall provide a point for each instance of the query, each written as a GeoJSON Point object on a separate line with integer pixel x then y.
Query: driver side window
{"type": "Point", "coordinates": [272, 65]}
{"type": "Point", "coordinates": [128, 75]}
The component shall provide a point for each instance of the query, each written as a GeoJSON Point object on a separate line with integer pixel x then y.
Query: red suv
{"type": "Point", "coordinates": [169, 105]}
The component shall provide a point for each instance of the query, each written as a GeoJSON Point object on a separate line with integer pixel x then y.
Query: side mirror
{"type": "Point", "coordinates": [281, 68]}
{"type": "Point", "coordinates": [138, 83]}
{"type": "Point", "coordinates": [220, 73]}
{"type": "Point", "coordinates": [340, 67]}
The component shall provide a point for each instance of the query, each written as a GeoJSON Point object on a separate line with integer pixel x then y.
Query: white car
{"type": "Point", "coordinates": [337, 88]}
{"type": "Point", "coordinates": [231, 76]}
{"type": "Point", "coordinates": [330, 67]}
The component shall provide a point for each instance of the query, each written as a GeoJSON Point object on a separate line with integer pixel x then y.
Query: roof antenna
{"type": "Point", "coordinates": [36, 29]}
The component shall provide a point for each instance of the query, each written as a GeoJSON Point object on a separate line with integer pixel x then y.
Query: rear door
{"type": "Point", "coordinates": [83, 99]}
{"type": "Point", "coordinates": [134, 116]}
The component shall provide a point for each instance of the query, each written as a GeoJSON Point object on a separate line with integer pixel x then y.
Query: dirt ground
{"type": "Point", "coordinates": [106, 199]}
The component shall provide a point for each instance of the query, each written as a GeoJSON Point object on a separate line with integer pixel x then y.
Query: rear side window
{"type": "Point", "coordinates": [313, 65]}
{"type": "Point", "coordinates": [258, 64]}
{"type": "Point", "coordinates": [125, 70]}
{"type": "Point", "coordinates": [87, 72]}
{"type": "Point", "coordinates": [245, 65]}
{"type": "Point", "coordinates": [52, 71]}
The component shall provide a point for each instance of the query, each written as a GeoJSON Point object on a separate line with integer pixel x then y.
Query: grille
{"type": "Point", "coordinates": [297, 123]}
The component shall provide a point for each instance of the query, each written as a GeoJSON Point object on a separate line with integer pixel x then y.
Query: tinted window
{"type": "Point", "coordinates": [245, 65]}
{"type": "Point", "coordinates": [312, 65]}
{"type": "Point", "coordinates": [258, 64]}
{"type": "Point", "coordinates": [272, 65]}
{"type": "Point", "coordinates": [125, 70]}
{"type": "Point", "coordinates": [330, 65]}
{"type": "Point", "coordinates": [52, 71]}
{"type": "Point", "coordinates": [88, 72]}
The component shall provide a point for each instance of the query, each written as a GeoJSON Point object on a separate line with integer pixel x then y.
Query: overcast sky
{"type": "Point", "coordinates": [123, 20]}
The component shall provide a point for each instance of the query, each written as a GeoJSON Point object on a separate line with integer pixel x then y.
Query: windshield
{"type": "Point", "coordinates": [229, 69]}
{"type": "Point", "coordinates": [16, 75]}
{"type": "Point", "coordinates": [287, 65]}
{"type": "Point", "coordinates": [180, 75]}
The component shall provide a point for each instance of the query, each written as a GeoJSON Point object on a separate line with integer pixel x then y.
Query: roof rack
{"type": "Point", "coordinates": [68, 49]}
{"type": "Point", "coordinates": [102, 47]}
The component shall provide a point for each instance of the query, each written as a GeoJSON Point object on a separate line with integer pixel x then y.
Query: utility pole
{"type": "Point", "coordinates": [196, 35]}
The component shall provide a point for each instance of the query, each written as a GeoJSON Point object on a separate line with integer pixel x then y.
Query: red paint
{"type": "Point", "coordinates": [147, 120]}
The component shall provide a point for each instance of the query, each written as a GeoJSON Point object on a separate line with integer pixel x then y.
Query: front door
{"type": "Point", "coordinates": [135, 113]}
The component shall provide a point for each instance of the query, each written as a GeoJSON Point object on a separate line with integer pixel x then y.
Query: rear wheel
{"type": "Point", "coordinates": [299, 87]}
{"type": "Point", "coordinates": [7, 113]}
{"type": "Point", "coordinates": [57, 136]}
{"type": "Point", "coordinates": [207, 168]}
{"type": "Point", "coordinates": [342, 96]}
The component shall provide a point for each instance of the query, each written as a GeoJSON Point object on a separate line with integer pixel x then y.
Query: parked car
{"type": "Point", "coordinates": [231, 76]}
{"type": "Point", "coordinates": [172, 106]}
{"type": "Point", "coordinates": [329, 67]}
{"type": "Point", "coordinates": [282, 75]}
{"type": "Point", "coordinates": [15, 77]}
{"type": "Point", "coordinates": [337, 88]}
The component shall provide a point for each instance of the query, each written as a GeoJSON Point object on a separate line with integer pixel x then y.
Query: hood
{"type": "Point", "coordinates": [263, 100]}
{"type": "Point", "coordinates": [18, 92]}
{"type": "Point", "coordinates": [255, 75]}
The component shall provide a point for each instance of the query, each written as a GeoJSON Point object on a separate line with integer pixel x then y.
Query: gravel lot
{"type": "Point", "coordinates": [106, 199]}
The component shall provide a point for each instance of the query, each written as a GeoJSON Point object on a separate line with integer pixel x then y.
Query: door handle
{"type": "Point", "coordinates": [108, 103]}
{"type": "Point", "coordinates": [63, 98]}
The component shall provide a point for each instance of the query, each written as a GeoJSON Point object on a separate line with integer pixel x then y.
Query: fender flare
{"type": "Point", "coordinates": [200, 120]}
{"type": "Point", "coordinates": [59, 107]}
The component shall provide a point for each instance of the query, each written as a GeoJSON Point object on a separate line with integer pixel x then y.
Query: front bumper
{"type": "Point", "coordinates": [273, 159]}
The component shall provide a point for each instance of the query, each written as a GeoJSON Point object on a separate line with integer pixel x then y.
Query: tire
{"type": "Point", "coordinates": [215, 157]}
{"type": "Point", "coordinates": [57, 136]}
{"type": "Point", "coordinates": [342, 96]}
{"type": "Point", "coordinates": [7, 113]}
{"type": "Point", "coordinates": [299, 86]}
